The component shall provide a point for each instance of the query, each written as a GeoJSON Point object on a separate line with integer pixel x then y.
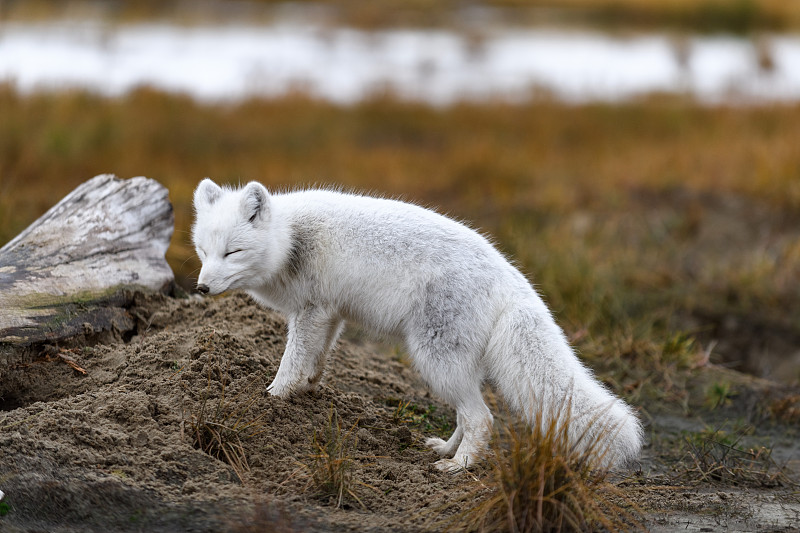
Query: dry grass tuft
{"type": "Point", "coordinates": [333, 460]}
{"type": "Point", "coordinates": [219, 426]}
{"type": "Point", "coordinates": [716, 456]}
{"type": "Point", "coordinates": [536, 481]}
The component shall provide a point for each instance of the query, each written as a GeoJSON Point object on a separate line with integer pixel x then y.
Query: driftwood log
{"type": "Point", "coordinates": [75, 269]}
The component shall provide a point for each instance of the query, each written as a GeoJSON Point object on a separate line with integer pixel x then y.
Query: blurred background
{"type": "Point", "coordinates": [639, 160]}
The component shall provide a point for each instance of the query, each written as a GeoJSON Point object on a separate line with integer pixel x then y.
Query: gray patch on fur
{"type": "Point", "coordinates": [302, 239]}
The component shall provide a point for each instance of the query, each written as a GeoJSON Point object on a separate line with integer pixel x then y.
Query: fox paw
{"type": "Point", "coordinates": [452, 466]}
{"type": "Point", "coordinates": [280, 390]}
{"type": "Point", "coordinates": [438, 445]}
{"type": "Point", "coordinates": [285, 390]}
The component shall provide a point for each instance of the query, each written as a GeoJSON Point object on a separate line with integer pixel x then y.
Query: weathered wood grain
{"type": "Point", "coordinates": [77, 266]}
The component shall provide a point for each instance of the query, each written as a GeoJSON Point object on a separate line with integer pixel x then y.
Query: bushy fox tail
{"type": "Point", "coordinates": [532, 365]}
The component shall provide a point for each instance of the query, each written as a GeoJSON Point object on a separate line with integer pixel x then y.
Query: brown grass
{"type": "Point", "coordinates": [719, 457]}
{"type": "Point", "coordinates": [629, 217]}
{"type": "Point", "coordinates": [220, 423]}
{"type": "Point", "coordinates": [538, 482]}
{"type": "Point", "coordinates": [740, 16]}
{"type": "Point", "coordinates": [332, 462]}
{"type": "Point", "coordinates": [490, 163]}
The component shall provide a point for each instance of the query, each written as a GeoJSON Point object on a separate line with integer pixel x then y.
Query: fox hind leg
{"type": "Point", "coordinates": [475, 424]}
{"type": "Point", "coordinates": [455, 378]}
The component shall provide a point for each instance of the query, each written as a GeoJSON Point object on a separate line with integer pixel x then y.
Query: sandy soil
{"type": "Point", "coordinates": [114, 449]}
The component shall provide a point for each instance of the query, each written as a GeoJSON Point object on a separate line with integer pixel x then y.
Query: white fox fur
{"type": "Point", "coordinates": [466, 314]}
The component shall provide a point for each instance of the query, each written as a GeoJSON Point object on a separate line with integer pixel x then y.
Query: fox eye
{"type": "Point", "coordinates": [233, 252]}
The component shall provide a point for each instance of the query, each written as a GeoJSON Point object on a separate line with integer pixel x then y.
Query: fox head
{"type": "Point", "coordinates": [231, 235]}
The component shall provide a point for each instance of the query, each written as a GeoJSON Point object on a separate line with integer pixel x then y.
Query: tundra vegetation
{"type": "Point", "coordinates": [732, 16]}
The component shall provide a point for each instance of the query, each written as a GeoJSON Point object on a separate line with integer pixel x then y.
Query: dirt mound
{"type": "Point", "coordinates": [172, 430]}
{"type": "Point", "coordinates": [117, 447]}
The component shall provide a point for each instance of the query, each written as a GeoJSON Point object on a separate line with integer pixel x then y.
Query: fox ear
{"type": "Point", "coordinates": [255, 202]}
{"type": "Point", "coordinates": [206, 194]}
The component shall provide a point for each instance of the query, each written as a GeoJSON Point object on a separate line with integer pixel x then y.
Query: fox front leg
{"type": "Point", "coordinates": [312, 333]}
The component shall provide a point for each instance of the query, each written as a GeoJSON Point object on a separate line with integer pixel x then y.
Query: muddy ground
{"type": "Point", "coordinates": [100, 434]}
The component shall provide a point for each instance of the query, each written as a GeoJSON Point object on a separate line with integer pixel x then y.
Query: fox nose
{"type": "Point", "coordinates": [202, 288]}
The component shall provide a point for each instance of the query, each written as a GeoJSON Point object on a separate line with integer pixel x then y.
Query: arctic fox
{"type": "Point", "coordinates": [466, 314]}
